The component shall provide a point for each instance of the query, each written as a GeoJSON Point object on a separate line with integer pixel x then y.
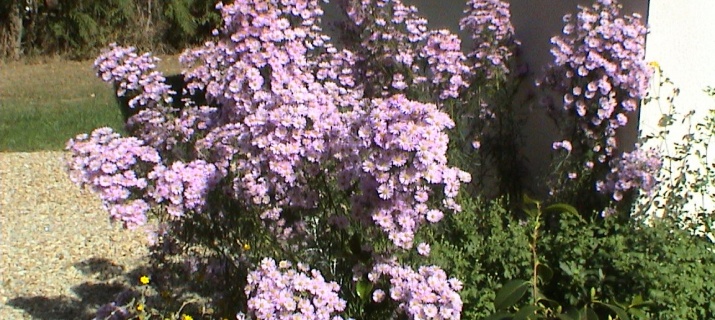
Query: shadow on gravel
{"type": "Point", "coordinates": [106, 281]}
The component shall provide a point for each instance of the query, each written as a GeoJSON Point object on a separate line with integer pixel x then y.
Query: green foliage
{"type": "Point", "coordinates": [671, 267]}
{"type": "Point", "coordinates": [483, 246]}
{"type": "Point", "coordinates": [188, 21]}
{"type": "Point", "coordinates": [78, 29]}
{"type": "Point", "coordinates": [582, 268]}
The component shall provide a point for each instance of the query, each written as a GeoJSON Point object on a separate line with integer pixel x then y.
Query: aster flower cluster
{"type": "Point", "coordinates": [175, 133]}
{"type": "Point", "coordinates": [636, 170]}
{"type": "Point", "coordinates": [600, 73]}
{"type": "Point", "coordinates": [115, 168]}
{"type": "Point", "coordinates": [183, 186]}
{"type": "Point", "coordinates": [133, 75]}
{"type": "Point", "coordinates": [407, 149]}
{"type": "Point", "coordinates": [489, 23]}
{"type": "Point", "coordinates": [424, 294]}
{"type": "Point", "coordinates": [398, 52]}
{"type": "Point", "coordinates": [277, 119]}
{"type": "Point", "coordinates": [281, 292]}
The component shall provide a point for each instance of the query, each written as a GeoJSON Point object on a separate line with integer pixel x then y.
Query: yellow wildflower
{"type": "Point", "coordinates": [186, 317]}
{"type": "Point", "coordinates": [140, 307]}
{"type": "Point", "coordinates": [654, 64]}
{"type": "Point", "coordinates": [246, 247]}
{"type": "Point", "coordinates": [144, 280]}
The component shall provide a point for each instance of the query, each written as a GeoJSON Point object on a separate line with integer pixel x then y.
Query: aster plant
{"type": "Point", "coordinates": [396, 52]}
{"type": "Point", "coordinates": [296, 156]}
{"type": "Point", "coordinates": [488, 137]}
{"type": "Point", "coordinates": [598, 77]}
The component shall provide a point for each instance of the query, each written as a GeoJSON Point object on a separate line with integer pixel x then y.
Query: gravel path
{"type": "Point", "coordinates": [60, 258]}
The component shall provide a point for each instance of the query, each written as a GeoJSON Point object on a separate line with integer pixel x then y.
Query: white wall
{"type": "Point", "coordinates": [682, 42]}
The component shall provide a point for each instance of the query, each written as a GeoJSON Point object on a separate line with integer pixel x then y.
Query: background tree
{"type": "Point", "coordinates": [11, 28]}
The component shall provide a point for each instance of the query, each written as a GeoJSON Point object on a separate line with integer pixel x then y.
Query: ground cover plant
{"type": "Point", "coordinates": [353, 179]}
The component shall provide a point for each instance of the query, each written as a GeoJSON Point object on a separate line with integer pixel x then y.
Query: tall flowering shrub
{"type": "Point", "coordinates": [337, 163]}
{"type": "Point", "coordinates": [489, 23]}
{"type": "Point", "coordinates": [598, 77]}
{"type": "Point", "coordinates": [396, 52]}
{"type": "Point", "coordinates": [296, 154]}
{"type": "Point", "coordinates": [488, 119]}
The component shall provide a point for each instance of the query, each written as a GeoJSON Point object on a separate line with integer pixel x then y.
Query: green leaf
{"type": "Point", "coordinates": [363, 289]}
{"type": "Point", "coordinates": [620, 312]}
{"type": "Point", "coordinates": [639, 302]}
{"type": "Point", "coordinates": [545, 273]}
{"type": "Point", "coordinates": [564, 208]}
{"type": "Point", "coordinates": [499, 316]}
{"type": "Point", "coordinates": [566, 268]}
{"type": "Point", "coordinates": [564, 316]}
{"type": "Point", "coordinates": [553, 304]}
{"type": "Point", "coordinates": [526, 312]}
{"type": "Point", "coordinates": [573, 314]}
{"type": "Point", "coordinates": [510, 293]}
{"type": "Point", "coordinates": [589, 314]}
{"type": "Point", "coordinates": [529, 200]}
{"type": "Point", "coordinates": [638, 313]}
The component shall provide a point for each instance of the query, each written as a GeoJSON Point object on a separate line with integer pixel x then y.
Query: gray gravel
{"type": "Point", "coordinates": [60, 257]}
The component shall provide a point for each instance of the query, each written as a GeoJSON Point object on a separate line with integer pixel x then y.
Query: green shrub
{"type": "Point", "coordinates": [615, 261]}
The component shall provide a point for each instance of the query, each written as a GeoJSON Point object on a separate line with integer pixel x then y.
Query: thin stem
{"type": "Point", "coordinates": [534, 256]}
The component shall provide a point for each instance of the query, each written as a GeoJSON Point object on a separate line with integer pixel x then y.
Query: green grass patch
{"type": "Point", "coordinates": [44, 105]}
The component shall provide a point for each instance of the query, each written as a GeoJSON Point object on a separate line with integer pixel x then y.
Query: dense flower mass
{"type": "Point", "coordinates": [183, 186]}
{"type": "Point", "coordinates": [425, 294]}
{"type": "Point", "coordinates": [281, 292]}
{"type": "Point", "coordinates": [280, 97]}
{"type": "Point", "coordinates": [302, 142]}
{"type": "Point", "coordinates": [406, 150]}
{"type": "Point", "coordinates": [133, 75]}
{"type": "Point", "coordinates": [489, 23]}
{"type": "Point", "coordinates": [636, 170]}
{"type": "Point", "coordinates": [394, 44]}
{"type": "Point", "coordinates": [600, 73]}
{"type": "Point", "coordinates": [116, 169]}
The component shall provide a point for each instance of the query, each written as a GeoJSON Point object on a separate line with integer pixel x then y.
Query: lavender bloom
{"type": "Point", "coordinates": [183, 187]}
{"type": "Point", "coordinates": [394, 43]}
{"type": "Point", "coordinates": [404, 150]}
{"type": "Point", "coordinates": [112, 311]}
{"type": "Point", "coordinates": [600, 72]}
{"type": "Point", "coordinates": [489, 22]}
{"type": "Point", "coordinates": [635, 170]}
{"type": "Point", "coordinates": [281, 292]}
{"type": "Point", "coordinates": [425, 294]}
{"type": "Point", "coordinates": [133, 75]}
{"type": "Point", "coordinates": [115, 168]}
